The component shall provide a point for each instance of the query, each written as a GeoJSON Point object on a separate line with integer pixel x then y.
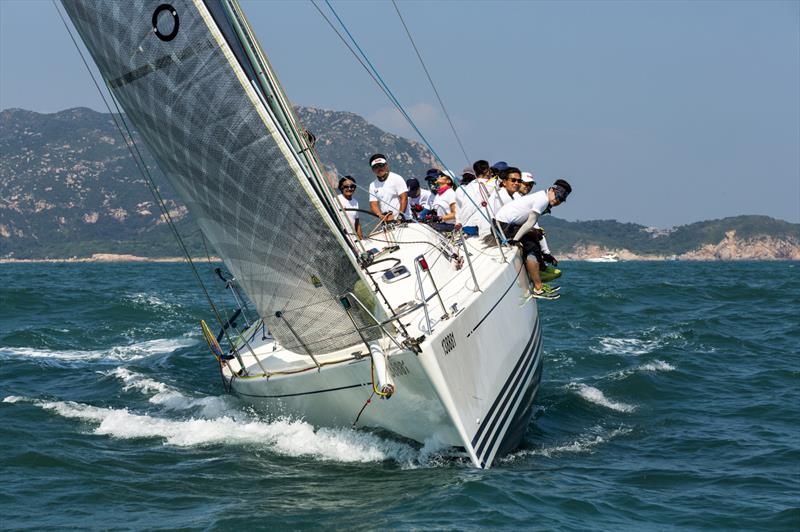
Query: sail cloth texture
{"type": "Point", "coordinates": [183, 88]}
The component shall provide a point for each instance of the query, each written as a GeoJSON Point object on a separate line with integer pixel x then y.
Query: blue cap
{"type": "Point", "coordinates": [500, 166]}
{"type": "Point", "coordinates": [433, 172]}
{"type": "Point", "coordinates": [412, 183]}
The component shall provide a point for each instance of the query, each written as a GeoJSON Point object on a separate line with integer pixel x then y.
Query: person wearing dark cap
{"type": "Point", "coordinates": [467, 176]}
{"type": "Point", "coordinates": [431, 176]}
{"type": "Point", "coordinates": [499, 168]}
{"type": "Point", "coordinates": [517, 220]}
{"type": "Point", "coordinates": [388, 193]}
{"type": "Point", "coordinates": [419, 199]}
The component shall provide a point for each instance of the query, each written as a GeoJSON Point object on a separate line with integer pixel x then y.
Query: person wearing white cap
{"type": "Point", "coordinates": [388, 193]}
{"type": "Point", "coordinates": [527, 183]}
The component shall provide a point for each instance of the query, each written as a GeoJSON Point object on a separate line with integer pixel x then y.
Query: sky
{"type": "Point", "coordinates": [658, 113]}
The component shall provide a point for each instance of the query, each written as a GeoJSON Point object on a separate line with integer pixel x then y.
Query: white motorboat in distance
{"type": "Point", "coordinates": [609, 257]}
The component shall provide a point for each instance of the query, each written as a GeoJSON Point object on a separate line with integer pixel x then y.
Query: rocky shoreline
{"type": "Point", "coordinates": [731, 248]}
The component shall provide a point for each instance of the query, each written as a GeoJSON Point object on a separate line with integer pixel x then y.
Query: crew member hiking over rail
{"type": "Point", "coordinates": [517, 220]}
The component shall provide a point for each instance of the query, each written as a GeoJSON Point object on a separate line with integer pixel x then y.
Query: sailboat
{"type": "Point", "coordinates": [429, 337]}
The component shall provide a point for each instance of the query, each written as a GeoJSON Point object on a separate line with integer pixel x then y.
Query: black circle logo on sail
{"type": "Point", "coordinates": [165, 22]}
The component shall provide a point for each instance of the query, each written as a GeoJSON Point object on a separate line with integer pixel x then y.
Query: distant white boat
{"type": "Point", "coordinates": [609, 257]}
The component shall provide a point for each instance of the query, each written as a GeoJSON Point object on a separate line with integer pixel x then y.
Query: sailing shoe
{"type": "Point", "coordinates": [542, 294]}
{"type": "Point", "coordinates": [550, 289]}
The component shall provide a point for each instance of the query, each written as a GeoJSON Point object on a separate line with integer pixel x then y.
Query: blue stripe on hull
{"type": "Point", "coordinates": [490, 431]}
{"type": "Point", "coordinates": [494, 408]}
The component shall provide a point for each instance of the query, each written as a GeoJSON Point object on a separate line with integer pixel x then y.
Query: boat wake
{"type": "Point", "coordinates": [213, 420]}
{"type": "Point", "coordinates": [595, 396]}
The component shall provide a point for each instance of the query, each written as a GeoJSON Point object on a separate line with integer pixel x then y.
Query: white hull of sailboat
{"type": "Point", "coordinates": [471, 386]}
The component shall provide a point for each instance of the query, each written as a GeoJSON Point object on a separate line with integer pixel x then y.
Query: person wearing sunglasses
{"type": "Point", "coordinates": [347, 189]}
{"type": "Point", "coordinates": [388, 193]}
{"type": "Point", "coordinates": [527, 183]}
{"type": "Point", "coordinates": [518, 220]}
{"type": "Point", "coordinates": [508, 189]}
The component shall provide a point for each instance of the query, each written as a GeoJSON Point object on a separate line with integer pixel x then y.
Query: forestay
{"type": "Point", "coordinates": [186, 84]}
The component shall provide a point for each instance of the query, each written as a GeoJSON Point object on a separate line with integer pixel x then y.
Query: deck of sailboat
{"type": "Point", "coordinates": [448, 288]}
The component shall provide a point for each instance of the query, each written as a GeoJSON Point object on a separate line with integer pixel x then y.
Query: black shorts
{"type": "Point", "coordinates": [530, 244]}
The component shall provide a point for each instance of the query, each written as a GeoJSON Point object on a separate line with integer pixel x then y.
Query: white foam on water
{"type": "Point", "coordinates": [625, 346]}
{"type": "Point", "coordinates": [585, 443]}
{"type": "Point", "coordinates": [169, 397]}
{"type": "Point", "coordinates": [654, 366]}
{"type": "Point", "coordinates": [284, 436]}
{"type": "Point", "coordinates": [657, 365]}
{"type": "Point", "coordinates": [126, 353]}
{"type": "Point", "coordinates": [150, 301]}
{"type": "Point", "coordinates": [593, 395]}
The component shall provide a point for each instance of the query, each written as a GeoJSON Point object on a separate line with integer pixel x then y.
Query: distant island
{"type": "Point", "coordinates": [69, 190]}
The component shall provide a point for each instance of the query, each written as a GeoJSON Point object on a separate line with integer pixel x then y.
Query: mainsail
{"type": "Point", "coordinates": [187, 83]}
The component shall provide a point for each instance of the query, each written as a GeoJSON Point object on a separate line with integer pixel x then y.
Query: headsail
{"type": "Point", "coordinates": [187, 86]}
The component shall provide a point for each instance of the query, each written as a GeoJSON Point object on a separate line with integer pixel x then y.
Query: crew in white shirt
{"type": "Point", "coordinates": [527, 183]}
{"type": "Point", "coordinates": [420, 200]}
{"type": "Point", "coordinates": [445, 201]}
{"type": "Point", "coordinates": [518, 220]}
{"type": "Point", "coordinates": [470, 200]}
{"type": "Point", "coordinates": [508, 191]}
{"type": "Point", "coordinates": [347, 189]}
{"type": "Point", "coordinates": [388, 193]}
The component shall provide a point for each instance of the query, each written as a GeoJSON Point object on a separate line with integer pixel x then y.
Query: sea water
{"type": "Point", "coordinates": [669, 399]}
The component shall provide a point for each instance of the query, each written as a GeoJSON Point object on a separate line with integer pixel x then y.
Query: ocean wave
{"type": "Point", "coordinates": [657, 365]}
{"type": "Point", "coordinates": [170, 398]}
{"type": "Point", "coordinates": [593, 395]}
{"type": "Point", "coordinates": [625, 346]}
{"type": "Point", "coordinates": [287, 437]}
{"type": "Point", "coordinates": [145, 299]}
{"type": "Point", "coordinates": [585, 443]}
{"type": "Point", "coordinates": [649, 341]}
{"type": "Point", "coordinates": [131, 352]}
{"type": "Point", "coordinates": [651, 367]}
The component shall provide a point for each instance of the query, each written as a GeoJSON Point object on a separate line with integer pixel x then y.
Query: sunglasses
{"type": "Point", "coordinates": [560, 194]}
{"type": "Point", "coordinates": [380, 165]}
{"type": "Point", "coordinates": [348, 187]}
{"type": "Point", "coordinates": [514, 180]}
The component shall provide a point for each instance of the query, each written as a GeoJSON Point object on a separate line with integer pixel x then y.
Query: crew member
{"type": "Point", "coordinates": [526, 185]}
{"type": "Point", "coordinates": [420, 200]}
{"type": "Point", "coordinates": [347, 189]}
{"type": "Point", "coordinates": [388, 193]}
{"type": "Point", "coordinates": [511, 177]}
{"type": "Point", "coordinates": [445, 203]}
{"type": "Point", "coordinates": [517, 220]}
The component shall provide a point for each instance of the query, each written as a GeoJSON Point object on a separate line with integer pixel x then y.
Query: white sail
{"type": "Point", "coordinates": [186, 82]}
